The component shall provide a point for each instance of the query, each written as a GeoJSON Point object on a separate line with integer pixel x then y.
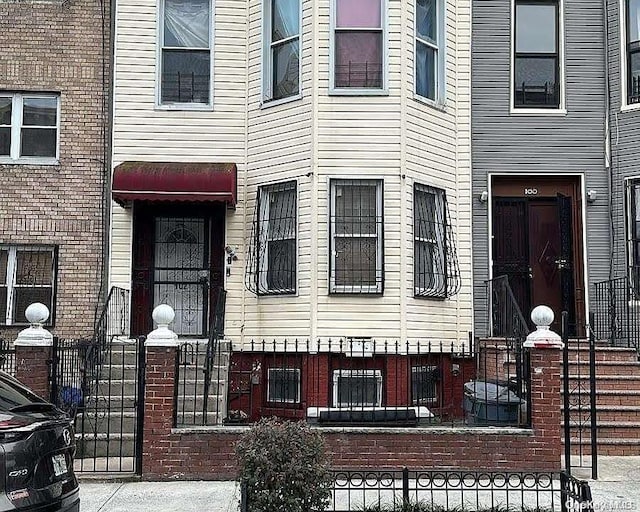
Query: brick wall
{"type": "Point", "coordinates": [57, 46]}
{"type": "Point", "coordinates": [208, 452]}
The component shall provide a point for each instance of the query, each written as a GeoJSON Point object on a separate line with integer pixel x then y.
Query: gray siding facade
{"type": "Point", "coordinates": [625, 138]}
{"type": "Point", "coordinates": [541, 144]}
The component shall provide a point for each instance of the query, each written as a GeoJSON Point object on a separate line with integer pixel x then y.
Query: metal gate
{"type": "Point", "coordinates": [579, 395]}
{"type": "Point", "coordinates": [101, 385]}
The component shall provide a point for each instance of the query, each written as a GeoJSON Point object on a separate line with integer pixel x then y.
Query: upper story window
{"type": "Point", "coordinates": [633, 234]}
{"type": "Point", "coordinates": [633, 50]}
{"type": "Point", "coordinates": [356, 236]}
{"type": "Point", "coordinates": [281, 69]}
{"type": "Point", "coordinates": [27, 275]}
{"type": "Point", "coordinates": [186, 52]}
{"type": "Point", "coordinates": [429, 54]}
{"type": "Point", "coordinates": [435, 265]}
{"type": "Point", "coordinates": [359, 44]}
{"type": "Point", "coordinates": [29, 126]}
{"type": "Point", "coordinates": [537, 54]}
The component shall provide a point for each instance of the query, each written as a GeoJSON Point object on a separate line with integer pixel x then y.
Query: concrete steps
{"type": "Point", "coordinates": [106, 427]}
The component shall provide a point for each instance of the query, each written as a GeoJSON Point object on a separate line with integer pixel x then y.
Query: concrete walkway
{"type": "Point", "coordinates": [617, 489]}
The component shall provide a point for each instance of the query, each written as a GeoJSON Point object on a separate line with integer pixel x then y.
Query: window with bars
{"type": "Point", "coordinates": [537, 54]}
{"type": "Point", "coordinates": [632, 22]}
{"type": "Point", "coordinates": [29, 125]}
{"type": "Point", "coordinates": [358, 44]}
{"type": "Point", "coordinates": [281, 62]}
{"type": "Point", "coordinates": [424, 384]}
{"type": "Point", "coordinates": [435, 265]}
{"type": "Point", "coordinates": [186, 52]}
{"type": "Point", "coordinates": [271, 262]}
{"type": "Point", "coordinates": [357, 388]}
{"type": "Point", "coordinates": [283, 385]}
{"type": "Point", "coordinates": [356, 236]}
{"type": "Point", "coordinates": [27, 275]}
{"type": "Point", "coordinates": [428, 48]}
{"type": "Point", "coordinates": [633, 233]}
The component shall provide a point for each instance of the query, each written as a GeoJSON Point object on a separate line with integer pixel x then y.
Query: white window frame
{"type": "Point", "coordinates": [355, 374]}
{"type": "Point", "coordinates": [438, 242]}
{"type": "Point", "coordinates": [362, 290]}
{"type": "Point", "coordinates": [160, 38]}
{"type": "Point", "coordinates": [429, 369]}
{"type": "Point", "coordinates": [17, 103]}
{"type": "Point", "coordinates": [10, 281]}
{"type": "Point", "coordinates": [264, 193]}
{"type": "Point", "coordinates": [362, 91]}
{"type": "Point", "coordinates": [441, 55]}
{"type": "Point", "coordinates": [561, 110]}
{"type": "Point", "coordinates": [280, 400]}
{"type": "Point", "coordinates": [624, 59]}
{"type": "Point", "coordinates": [629, 183]}
{"type": "Point", "coordinates": [267, 56]}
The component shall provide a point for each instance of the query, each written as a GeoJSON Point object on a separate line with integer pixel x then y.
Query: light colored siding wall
{"type": "Point", "coordinates": [311, 140]}
{"type": "Point", "coordinates": [143, 132]}
{"type": "Point", "coordinates": [505, 143]}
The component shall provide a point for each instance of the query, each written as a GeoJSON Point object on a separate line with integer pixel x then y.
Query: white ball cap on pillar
{"type": "Point", "coordinates": [35, 335]}
{"type": "Point", "coordinates": [162, 315]}
{"type": "Point", "coordinates": [543, 337]}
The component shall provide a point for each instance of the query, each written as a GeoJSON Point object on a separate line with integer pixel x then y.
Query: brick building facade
{"type": "Point", "coordinates": [54, 133]}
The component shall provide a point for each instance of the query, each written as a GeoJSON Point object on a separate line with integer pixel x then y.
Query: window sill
{"type": "Point", "coordinates": [29, 161]}
{"type": "Point", "coordinates": [543, 112]}
{"type": "Point", "coordinates": [630, 107]}
{"type": "Point", "coordinates": [358, 92]}
{"type": "Point", "coordinates": [351, 291]}
{"type": "Point", "coordinates": [185, 107]}
{"type": "Point", "coordinates": [282, 101]}
{"type": "Point", "coordinates": [435, 104]}
{"type": "Point", "coordinates": [424, 296]}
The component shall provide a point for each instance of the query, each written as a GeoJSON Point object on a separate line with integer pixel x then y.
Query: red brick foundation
{"type": "Point", "coordinates": [208, 453]}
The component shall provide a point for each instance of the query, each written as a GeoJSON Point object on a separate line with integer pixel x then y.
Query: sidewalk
{"type": "Point", "coordinates": [617, 489]}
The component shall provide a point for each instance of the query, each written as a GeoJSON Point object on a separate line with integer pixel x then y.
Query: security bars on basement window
{"type": "Point", "coordinates": [435, 265]}
{"type": "Point", "coordinates": [356, 236]}
{"type": "Point", "coordinates": [271, 262]}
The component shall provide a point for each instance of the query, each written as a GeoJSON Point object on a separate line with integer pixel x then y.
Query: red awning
{"type": "Point", "coordinates": [164, 181]}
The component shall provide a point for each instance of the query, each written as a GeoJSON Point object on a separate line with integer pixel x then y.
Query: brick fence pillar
{"type": "Point", "coordinates": [34, 350]}
{"type": "Point", "coordinates": [545, 348]}
{"type": "Point", "coordinates": [159, 393]}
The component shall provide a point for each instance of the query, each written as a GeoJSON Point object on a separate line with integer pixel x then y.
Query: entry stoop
{"type": "Point", "coordinates": [617, 399]}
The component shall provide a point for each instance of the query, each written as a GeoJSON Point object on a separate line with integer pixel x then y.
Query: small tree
{"type": "Point", "coordinates": [284, 467]}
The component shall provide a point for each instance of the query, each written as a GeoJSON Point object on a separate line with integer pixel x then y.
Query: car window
{"type": "Point", "coordinates": [13, 395]}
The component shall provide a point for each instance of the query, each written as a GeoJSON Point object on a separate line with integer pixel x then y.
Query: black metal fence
{"type": "Point", "coordinates": [616, 311]}
{"type": "Point", "coordinates": [356, 382]}
{"type": "Point", "coordinates": [433, 489]}
{"type": "Point", "coordinates": [7, 357]}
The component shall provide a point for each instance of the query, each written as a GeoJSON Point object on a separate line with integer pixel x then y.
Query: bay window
{"type": "Point", "coordinates": [359, 44]}
{"type": "Point", "coordinates": [281, 61]}
{"type": "Point", "coordinates": [356, 236]}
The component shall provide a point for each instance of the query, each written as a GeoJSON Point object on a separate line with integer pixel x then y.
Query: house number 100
{"type": "Point", "coordinates": [530, 191]}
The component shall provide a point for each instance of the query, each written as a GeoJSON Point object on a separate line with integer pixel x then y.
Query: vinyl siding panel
{"type": "Point", "coordinates": [538, 144]}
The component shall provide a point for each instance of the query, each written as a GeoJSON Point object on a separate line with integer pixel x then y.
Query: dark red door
{"type": "Point", "coordinates": [532, 246]}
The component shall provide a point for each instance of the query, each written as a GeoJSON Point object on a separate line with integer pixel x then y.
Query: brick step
{"type": "Point", "coordinates": [606, 382]}
{"type": "Point", "coordinates": [606, 368]}
{"type": "Point", "coordinates": [608, 413]}
{"type": "Point", "coordinates": [106, 421]}
{"type": "Point", "coordinates": [103, 445]}
{"type": "Point", "coordinates": [608, 430]}
{"type": "Point", "coordinates": [603, 354]}
{"type": "Point", "coordinates": [608, 398]}
{"type": "Point", "coordinates": [618, 447]}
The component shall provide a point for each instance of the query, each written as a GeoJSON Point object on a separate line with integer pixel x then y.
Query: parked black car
{"type": "Point", "coordinates": [37, 445]}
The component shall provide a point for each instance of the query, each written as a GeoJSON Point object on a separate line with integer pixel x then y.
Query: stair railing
{"type": "Point", "coordinates": [505, 317]}
{"type": "Point", "coordinates": [216, 333]}
{"type": "Point", "coordinates": [617, 311]}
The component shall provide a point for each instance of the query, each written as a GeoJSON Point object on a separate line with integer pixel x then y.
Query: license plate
{"type": "Point", "coordinates": [59, 464]}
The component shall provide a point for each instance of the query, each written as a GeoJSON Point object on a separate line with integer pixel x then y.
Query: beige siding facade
{"type": "Point", "coordinates": [310, 139]}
